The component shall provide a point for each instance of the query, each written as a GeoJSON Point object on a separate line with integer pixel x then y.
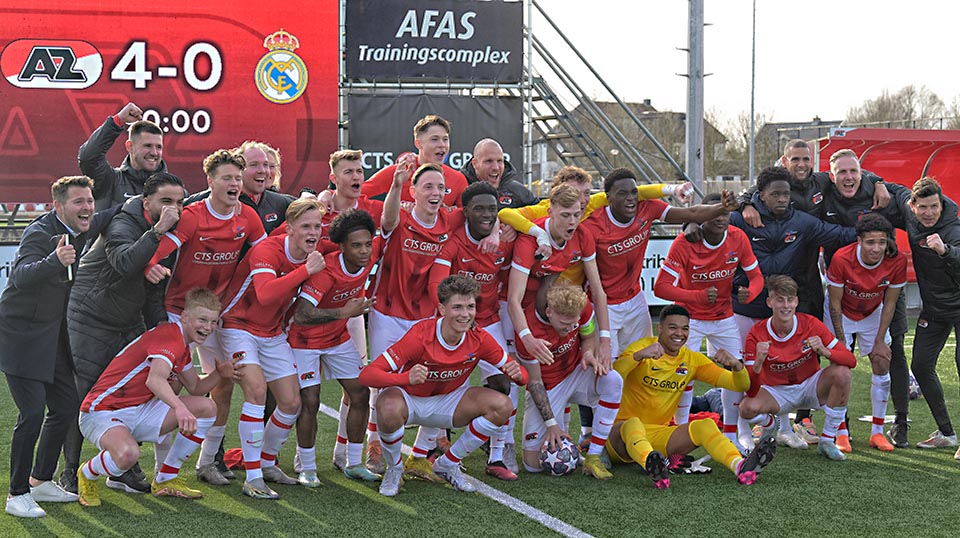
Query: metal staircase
{"type": "Point", "coordinates": [564, 116]}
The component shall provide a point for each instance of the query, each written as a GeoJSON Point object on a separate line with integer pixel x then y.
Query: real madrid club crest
{"type": "Point", "coordinates": [281, 75]}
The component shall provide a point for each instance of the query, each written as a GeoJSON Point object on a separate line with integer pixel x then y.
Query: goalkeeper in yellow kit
{"type": "Point", "coordinates": [655, 371]}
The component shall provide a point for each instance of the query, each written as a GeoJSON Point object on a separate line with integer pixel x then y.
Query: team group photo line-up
{"type": "Point", "coordinates": [400, 286]}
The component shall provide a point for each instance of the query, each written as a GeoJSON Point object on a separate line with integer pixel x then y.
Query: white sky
{"type": "Point", "coordinates": [814, 58]}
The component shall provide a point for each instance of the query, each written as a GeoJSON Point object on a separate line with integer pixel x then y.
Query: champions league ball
{"type": "Point", "coordinates": [562, 461]}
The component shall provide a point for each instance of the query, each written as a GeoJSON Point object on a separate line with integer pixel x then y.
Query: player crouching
{"type": "Point", "coordinates": [133, 401]}
{"type": "Point", "coordinates": [785, 352]}
{"type": "Point", "coordinates": [426, 376]}
{"type": "Point", "coordinates": [656, 370]}
{"type": "Point", "coordinates": [570, 371]}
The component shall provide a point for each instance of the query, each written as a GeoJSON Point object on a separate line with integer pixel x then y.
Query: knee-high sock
{"type": "Point", "coordinates": [499, 439]}
{"type": "Point", "coordinates": [765, 420]}
{"type": "Point", "coordinates": [634, 436]}
{"type": "Point", "coordinates": [610, 386]}
{"type": "Point", "coordinates": [182, 448]}
{"type": "Point", "coordinates": [785, 425]}
{"type": "Point", "coordinates": [354, 454]}
{"type": "Point", "coordinates": [251, 438]}
{"type": "Point", "coordinates": [308, 458]}
{"type": "Point", "coordinates": [832, 420]}
{"type": "Point", "coordinates": [704, 433]}
{"type": "Point", "coordinates": [211, 444]}
{"type": "Point", "coordinates": [340, 448]}
{"type": "Point", "coordinates": [372, 434]}
{"type": "Point", "coordinates": [425, 442]}
{"type": "Point", "coordinates": [101, 464]}
{"type": "Point", "coordinates": [275, 435]}
{"type": "Point", "coordinates": [160, 450]}
{"type": "Point", "coordinates": [842, 428]}
{"type": "Point", "coordinates": [682, 414]}
{"type": "Point", "coordinates": [731, 412]}
{"type": "Point", "coordinates": [390, 444]}
{"type": "Point", "coordinates": [504, 436]}
{"type": "Point", "coordinates": [879, 389]}
{"type": "Point", "coordinates": [478, 431]}
{"type": "Point", "coordinates": [566, 418]}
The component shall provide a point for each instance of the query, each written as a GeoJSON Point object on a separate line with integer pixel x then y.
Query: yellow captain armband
{"type": "Point", "coordinates": [588, 328]}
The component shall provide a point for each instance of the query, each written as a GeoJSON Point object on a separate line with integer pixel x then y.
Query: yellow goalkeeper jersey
{"type": "Point", "coordinates": [652, 387]}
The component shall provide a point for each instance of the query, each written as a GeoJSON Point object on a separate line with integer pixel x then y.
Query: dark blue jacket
{"type": "Point", "coordinates": [779, 244]}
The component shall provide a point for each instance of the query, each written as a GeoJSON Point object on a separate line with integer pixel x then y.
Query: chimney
{"type": "Point", "coordinates": [646, 102]}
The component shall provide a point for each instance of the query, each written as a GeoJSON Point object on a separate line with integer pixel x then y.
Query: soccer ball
{"type": "Point", "coordinates": [562, 461]}
{"type": "Point", "coordinates": [913, 390]}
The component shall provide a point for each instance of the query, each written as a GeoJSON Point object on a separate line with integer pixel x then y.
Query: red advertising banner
{"type": "Point", "coordinates": [211, 74]}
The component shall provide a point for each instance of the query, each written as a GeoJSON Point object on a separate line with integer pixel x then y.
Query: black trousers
{"type": "Point", "coordinates": [899, 369]}
{"type": "Point", "coordinates": [59, 400]}
{"type": "Point", "coordinates": [928, 342]}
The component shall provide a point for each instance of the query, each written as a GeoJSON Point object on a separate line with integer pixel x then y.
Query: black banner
{"type": "Point", "coordinates": [435, 40]}
{"type": "Point", "coordinates": [382, 126]}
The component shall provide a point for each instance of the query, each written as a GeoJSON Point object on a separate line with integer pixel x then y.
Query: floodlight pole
{"type": "Point", "coordinates": [753, 84]}
{"type": "Point", "coordinates": [694, 162]}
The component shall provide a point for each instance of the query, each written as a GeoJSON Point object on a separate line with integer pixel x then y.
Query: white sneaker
{"type": "Point", "coordinates": [24, 506]}
{"type": "Point", "coordinates": [392, 478]}
{"type": "Point", "coordinates": [51, 492]}
{"type": "Point", "coordinates": [938, 440]}
{"type": "Point", "coordinates": [792, 440]}
{"type": "Point", "coordinates": [457, 479]}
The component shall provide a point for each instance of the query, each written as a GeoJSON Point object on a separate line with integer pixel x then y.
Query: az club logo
{"type": "Point", "coordinates": [51, 63]}
{"type": "Point", "coordinates": [281, 75]}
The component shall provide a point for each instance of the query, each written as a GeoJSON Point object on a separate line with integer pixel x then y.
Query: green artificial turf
{"type": "Point", "coordinates": [909, 492]}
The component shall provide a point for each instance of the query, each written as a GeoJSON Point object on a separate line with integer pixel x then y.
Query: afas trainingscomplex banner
{"type": "Point", "coordinates": [211, 74]}
{"type": "Point", "coordinates": [410, 40]}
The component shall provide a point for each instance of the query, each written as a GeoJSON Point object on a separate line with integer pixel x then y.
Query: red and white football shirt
{"type": "Point", "coordinates": [580, 247]}
{"type": "Point", "coordinates": [621, 247]}
{"type": "Point", "coordinates": [123, 383]}
{"type": "Point", "coordinates": [209, 249]}
{"type": "Point", "coordinates": [790, 360]}
{"type": "Point", "coordinates": [461, 255]}
{"type": "Point", "coordinates": [380, 182]}
{"type": "Point", "coordinates": [408, 256]}
{"type": "Point", "coordinates": [864, 285]}
{"type": "Point", "coordinates": [448, 367]}
{"type": "Point", "coordinates": [565, 349]}
{"type": "Point", "coordinates": [373, 207]}
{"type": "Point", "coordinates": [331, 288]}
{"type": "Point", "coordinates": [263, 288]}
{"type": "Point", "coordinates": [694, 267]}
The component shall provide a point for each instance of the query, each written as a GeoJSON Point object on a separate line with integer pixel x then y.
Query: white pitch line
{"type": "Point", "coordinates": [510, 502]}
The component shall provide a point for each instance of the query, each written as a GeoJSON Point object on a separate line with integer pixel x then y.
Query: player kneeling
{"type": "Point", "coordinates": [426, 376]}
{"type": "Point", "coordinates": [569, 371]}
{"type": "Point", "coordinates": [784, 351]}
{"type": "Point", "coordinates": [133, 401]}
{"type": "Point", "coordinates": [656, 370]}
